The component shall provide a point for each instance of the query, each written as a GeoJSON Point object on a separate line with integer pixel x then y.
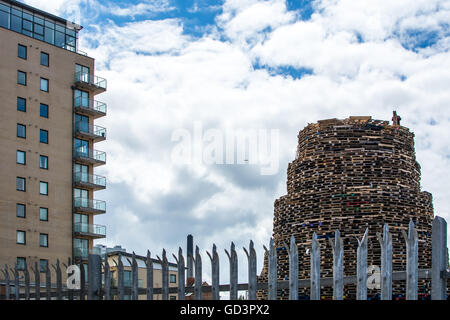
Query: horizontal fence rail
{"type": "Point", "coordinates": [17, 285]}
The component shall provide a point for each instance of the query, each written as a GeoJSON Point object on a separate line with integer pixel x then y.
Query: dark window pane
{"type": "Point", "coordinates": [27, 25]}
{"type": "Point", "coordinates": [4, 7]}
{"type": "Point", "coordinates": [21, 157]}
{"type": "Point", "coordinates": [43, 214]}
{"type": "Point", "coordinates": [20, 263]}
{"type": "Point", "coordinates": [43, 265]}
{"type": "Point", "coordinates": [43, 240]}
{"type": "Point", "coordinates": [28, 16]}
{"type": "Point", "coordinates": [43, 162]}
{"type": "Point", "coordinates": [20, 210]}
{"type": "Point", "coordinates": [21, 104]}
{"type": "Point", "coordinates": [21, 78]}
{"type": "Point", "coordinates": [49, 24]}
{"type": "Point", "coordinates": [16, 23]}
{"type": "Point", "coordinates": [21, 131]}
{"type": "Point", "coordinates": [20, 184]}
{"type": "Point", "coordinates": [44, 110]}
{"type": "Point", "coordinates": [22, 51]}
{"type": "Point", "coordinates": [44, 59]}
{"type": "Point", "coordinates": [44, 85]}
{"type": "Point", "coordinates": [59, 39]}
{"type": "Point", "coordinates": [38, 29]}
{"type": "Point", "coordinates": [16, 12]}
{"type": "Point", "coordinates": [43, 136]}
{"type": "Point", "coordinates": [60, 28]}
{"type": "Point", "coordinates": [38, 20]}
{"type": "Point", "coordinates": [49, 35]}
{"type": "Point", "coordinates": [4, 19]}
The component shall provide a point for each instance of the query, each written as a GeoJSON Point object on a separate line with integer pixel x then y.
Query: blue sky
{"type": "Point", "coordinates": [270, 64]}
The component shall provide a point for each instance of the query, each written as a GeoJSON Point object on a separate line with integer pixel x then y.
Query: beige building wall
{"type": "Point", "coordinates": [60, 74]}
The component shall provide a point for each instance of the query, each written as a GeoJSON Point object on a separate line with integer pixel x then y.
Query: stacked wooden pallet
{"type": "Point", "coordinates": [350, 175]}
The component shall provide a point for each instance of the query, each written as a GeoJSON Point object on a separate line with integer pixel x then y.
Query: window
{"type": "Point", "coordinates": [21, 131]}
{"type": "Point", "coordinates": [44, 84]}
{"type": "Point", "coordinates": [21, 157]}
{"type": "Point", "coordinates": [21, 261]}
{"type": "Point", "coordinates": [173, 278]}
{"type": "Point", "coordinates": [20, 184]}
{"type": "Point", "coordinates": [172, 297]}
{"type": "Point", "coordinates": [43, 136]}
{"type": "Point", "coordinates": [43, 214]}
{"type": "Point", "coordinates": [22, 78]}
{"type": "Point", "coordinates": [44, 110]}
{"type": "Point", "coordinates": [44, 59]}
{"type": "Point", "coordinates": [43, 240]}
{"type": "Point", "coordinates": [4, 16]}
{"type": "Point", "coordinates": [21, 104]}
{"type": "Point", "coordinates": [81, 99]}
{"type": "Point", "coordinates": [21, 237]}
{"type": "Point", "coordinates": [43, 265]}
{"type": "Point", "coordinates": [43, 188]}
{"type": "Point", "coordinates": [20, 210]}
{"type": "Point", "coordinates": [22, 51]}
{"type": "Point", "coordinates": [43, 162]}
{"type": "Point", "coordinates": [81, 73]}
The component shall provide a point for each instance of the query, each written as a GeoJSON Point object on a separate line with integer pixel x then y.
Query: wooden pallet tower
{"type": "Point", "coordinates": [350, 175]}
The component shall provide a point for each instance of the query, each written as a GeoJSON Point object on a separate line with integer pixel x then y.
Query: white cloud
{"type": "Point", "coordinates": [160, 79]}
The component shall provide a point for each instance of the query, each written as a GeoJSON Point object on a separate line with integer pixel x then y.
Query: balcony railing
{"type": "Point", "coordinates": [90, 80]}
{"type": "Point", "coordinates": [90, 130]}
{"type": "Point", "coordinates": [89, 179]}
{"type": "Point", "coordinates": [92, 229]}
{"type": "Point", "coordinates": [85, 204]}
{"type": "Point", "coordinates": [90, 105]}
{"type": "Point", "coordinates": [90, 155]}
{"type": "Point", "coordinates": [79, 252]}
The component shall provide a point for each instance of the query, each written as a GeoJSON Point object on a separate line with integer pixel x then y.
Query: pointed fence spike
{"type": "Point", "coordinates": [315, 268]}
{"type": "Point", "coordinates": [293, 269]}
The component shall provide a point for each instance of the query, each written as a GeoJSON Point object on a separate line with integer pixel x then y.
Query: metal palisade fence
{"type": "Point", "coordinates": [99, 284]}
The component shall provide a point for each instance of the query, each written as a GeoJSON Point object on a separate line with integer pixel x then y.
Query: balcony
{"type": "Point", "coordinates": [89, 181]}
{"type": "Point", "coordinates": [89, 107]}
{"type": "Point", "coordinates": [88, 131]}
{"type": "Point", "coordinates": [85, 81]}
{"type": "Point", "coordinates": [85, 205]}
{"type": "Point", "coordinates": [90, 230]}
{"type": "Point", "coordinates": [89, 156]}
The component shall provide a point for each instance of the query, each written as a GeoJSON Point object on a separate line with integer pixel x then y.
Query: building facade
{"type": "Point", "coordinates": [47, 137]}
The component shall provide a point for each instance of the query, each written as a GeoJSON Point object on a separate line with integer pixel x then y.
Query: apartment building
{"type": "Point", "coordinates": [48, 138]}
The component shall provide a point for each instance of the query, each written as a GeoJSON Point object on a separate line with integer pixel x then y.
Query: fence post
{"type": "Point", "coordinates": [58, 280]}
{"type": "Point", "coordinates": [412, 256]}
{"type": "Point", "coordinates": [149, 269]}
{"type": "Point", "coordinates": [134, 277]}
{"type": "Point", "coordinates": [439, 259]}
{"type": "Point", "coordinates": [214, 273]}
{"type": "Point", "coordinates": [69, 291]}
{"type": "Point", "coordinates": [26, 276]}
{"type": "Point", "coordinates": [120, 287]}
{"type": "Point", "coordinates": [338, 266]}
{"type": "Point", "coordinates": [292, 250]}
{"type": "Point", "coordinates": [252, 282]}
{"type": "Point", "coordinates": [37, 282]}
{"type": "Point", "coordinates": [232, 257]}
{"type": "Point", "coordinates": [16, 282]}
{"type": "Point", "coordinates": [48, 283]}
{"type": "Point", "coordinates": [107, 271]}
{"type": "Point", "coordinates": [361, 267]}
{"type": "Point", "coordinates": [181, 277]}
{"type": "Point", "coordinates": [315, 268]}
{"type": "Point", "coordinates": [82, 282]}
{"type": "Point", "coordinates": [272, 272]}
{"type": "Point", "coordinates": [386, 263]}
{"type": "Point", "coordinates": [198, 274]}
{"type": "Point", "coordinates": [94, 276]}
{"type": "Point", "coordinates": [164, 275]}
{"type": "Point", "coordinates": [7, 287]}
